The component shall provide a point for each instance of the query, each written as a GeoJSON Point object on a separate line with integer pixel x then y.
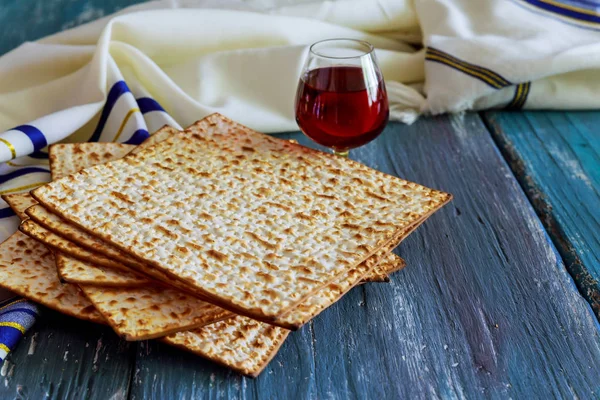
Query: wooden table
{"type": "Point", "coordinates": [497, 300]}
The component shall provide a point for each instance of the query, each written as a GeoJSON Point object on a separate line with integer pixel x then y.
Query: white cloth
{"type": "Point", "coordinates": [174, 62]}
{"type": "Point", "coordinates": [481, 53]}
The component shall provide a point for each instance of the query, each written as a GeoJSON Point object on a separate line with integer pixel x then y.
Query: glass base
{"type": "Point", "coordinates": [341, 153]}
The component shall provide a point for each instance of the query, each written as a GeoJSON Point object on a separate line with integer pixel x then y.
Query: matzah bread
{"type": "Point", "coordinates": [76, 271]}
{"type": "Point", "coordinates": [84, 240]}
{"type": "Point", "coordinates": [27, 269]}
{"type": "Point", "coordinates": [253, 222]}
{"type": "Point", "coordinates": [65, 157]}
{"type": "Point", "coordinates": [68, 158]}
{"type": "Point", "coordinates": [59, 226]}
{"type": "Point", "coordinates": [386, 267]}
{"type": "Point", "coordinates": [163, 133]}
{"type": "Point", "coordinates": [19, 202]}
{"type": "Point", "coordinates": [321, 299]}
{"type": "Point", "coordinates": [79, 158]}
{"type": "Point", "coordinates": [151, 311]}
{"type": "Point", "coordinates": [242, 344]}
{"type": "Point", "coordinates": [58, 243]}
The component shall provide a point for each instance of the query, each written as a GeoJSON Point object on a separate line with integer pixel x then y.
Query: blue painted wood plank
{"type": "Point", "coordinates": [64, 358]}
{"type": "Point", "coordinates": [556, 157]}
{"type": "Point", "coordinates": [484, 309]}
{"type": "Point", "coordinates": [484, 297]}
{"type": "Point", "coordinates": [28, 20]}
{"type": "Point", "coordinates": [163, 372]}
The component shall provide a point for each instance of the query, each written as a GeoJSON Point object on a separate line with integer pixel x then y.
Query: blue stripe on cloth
{"type": "Point", "coordinates": [580, 14]}
{"type": "Point", "coordinates": [35, 135]}
{"type": "Point", "coordinates": [147, 104]}
{"type": "Point", "coordinates": [24, 310]}
{"type": "Point", "coordinates": [21, 172]}
{"type": "Point", "coordinates": [6, 212]}
{"type": "Point", "coordinates": [138, 137]}
{"type": "Point", "coordinates": [20, 313]}
{"type": "Point", "coordinates": [114, 93]}
{"type": "Point", "coordinates": [9, 337]}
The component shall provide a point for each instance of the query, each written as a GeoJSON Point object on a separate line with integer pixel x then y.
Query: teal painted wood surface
{"type": "Point", "coordinates": [27, 20]}
{"type": "Point", "coordinates": [556, 157]}
{"type": "Point", "coordinates": [484, 309]}
{"type": "Point", "coordinates": [64, 358]}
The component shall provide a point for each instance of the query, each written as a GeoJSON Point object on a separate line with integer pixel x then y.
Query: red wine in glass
{"type": "Point", "coordinates": [341, 102]}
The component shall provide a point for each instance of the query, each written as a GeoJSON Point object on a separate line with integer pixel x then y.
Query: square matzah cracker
{"type": "Point", "coordinates": [62, 235]}
{"type": "Point", "coordinates": [64, 157]}
{"type": "Point", "coordinates": [152, 311]}
{"type": "Point", "coordinates": [69, 158]}
{"type": "Point", "coordinates": [240, 343]}
{"type": "Point", "coordinates": [76, 271]}
{"type": "Point", "coordinates": [255, 223]}
{"type": "Point", "coordinates": [27, 268]}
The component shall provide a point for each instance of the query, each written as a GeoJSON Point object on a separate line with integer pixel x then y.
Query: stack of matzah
{"type": "Point", "coordinates": [217, 239]}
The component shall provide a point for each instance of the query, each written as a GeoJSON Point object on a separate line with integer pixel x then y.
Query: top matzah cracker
{"type": "Point", "coordinates": [27, 268]}
{"type": "Point", "coordinates": [81, 156]}
{"type": "Point", "coordinates": [253, 222]}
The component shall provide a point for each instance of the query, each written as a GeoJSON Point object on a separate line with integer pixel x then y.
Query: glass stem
{"type": "Point", "coordinates": [341, 153]}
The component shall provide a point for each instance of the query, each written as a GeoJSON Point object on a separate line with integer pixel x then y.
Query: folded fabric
{"type": "Point", "coordinates": [16, 317]}
{"type": "Point", "coordinates": [515, 54]}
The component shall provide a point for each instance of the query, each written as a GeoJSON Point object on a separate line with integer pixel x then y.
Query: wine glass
{"type": "Point", "coordinates": [341, 102]}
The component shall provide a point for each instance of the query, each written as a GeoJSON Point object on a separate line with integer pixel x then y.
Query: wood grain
{"type": "Point", "coordinates": [64, 358]}
{"type": "Point", "coordinates": [485, 307]}
{"type": "Point", "coordinates": [556, 158]}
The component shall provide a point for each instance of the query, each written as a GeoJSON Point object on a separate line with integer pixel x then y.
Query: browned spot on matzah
{"type": "Point", "coordinates": [216, 255]}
